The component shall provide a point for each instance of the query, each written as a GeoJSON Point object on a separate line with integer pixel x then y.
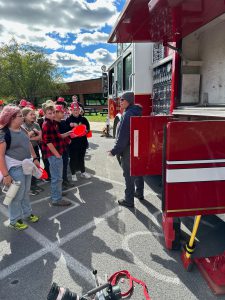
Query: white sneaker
{"type": "Point", "coordinates": [74, 177]}
{"type": "Point", "coordinates": [85, 175]}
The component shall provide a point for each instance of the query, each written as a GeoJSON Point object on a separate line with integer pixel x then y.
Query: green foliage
{"type": "Point", "coordinates": [27, 73]}
{"type": "Point", "coordinates": [98, 118]}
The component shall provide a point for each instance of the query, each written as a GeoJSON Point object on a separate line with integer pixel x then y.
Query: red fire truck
{"type": "Point", "coordinates": [183, 137]}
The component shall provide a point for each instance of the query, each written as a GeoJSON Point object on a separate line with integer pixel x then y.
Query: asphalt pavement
{"type": "Point", "coordinates": [95, 233]}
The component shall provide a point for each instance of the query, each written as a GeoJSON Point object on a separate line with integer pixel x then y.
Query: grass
{"type": "Point", "coordinates": [94, 118]}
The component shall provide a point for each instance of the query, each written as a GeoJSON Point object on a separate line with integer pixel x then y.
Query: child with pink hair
{"type": "Point", "coordinates": [15, 147]}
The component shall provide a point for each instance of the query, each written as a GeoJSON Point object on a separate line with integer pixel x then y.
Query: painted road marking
{"type": "Point", "coordinates": [153, 218]}
{"type": "Point", "coordinates": [40, 200]}
{"type": "Point", "coordinates": [89, 225]}
{"type": "Point", "coordinates": [54, 248]}
{"type": "Point", "coordinates": [148, 192]}
{"type": "Point", "coordinates": [72, 263]}
{"type": "Point", "coordinates": [75, 205]}
{"type": "Point", "coordinates": [143, 266]}
{"type": "Point", "coordinates": [68, 190]}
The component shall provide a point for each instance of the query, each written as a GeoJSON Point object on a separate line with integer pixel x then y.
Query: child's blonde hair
{"type": "Point", "coordinates": [48, 105]}
{"type": "Point", "coordinates": [26, 110]}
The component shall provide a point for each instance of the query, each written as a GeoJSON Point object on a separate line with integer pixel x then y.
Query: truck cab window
{"type": "Point", "coordinates": [127, 69]}
{"type": "Point", "coordinates": [119, 76]}
{"type": "Point", "coordinates": [111, 81]}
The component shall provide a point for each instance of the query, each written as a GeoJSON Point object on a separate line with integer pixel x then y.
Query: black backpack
{"type": "Point", "coordinates": [7, 137]}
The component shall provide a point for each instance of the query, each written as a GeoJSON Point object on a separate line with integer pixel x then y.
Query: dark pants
{"type": "Point", "coordinates": [65, 158]}
{"type": "Point", "coordinates": [33, 179]}
{"type": "Point", "coordinates": [131, 181]}
{"type": "Point", "coordinates": [77, 159]}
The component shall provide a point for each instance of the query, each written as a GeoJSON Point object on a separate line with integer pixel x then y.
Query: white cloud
{"type": "Point", "coordinates": [92, 69]}
{"type": "Point", "coordinates": [69, 47]}
{"type": "Point", "coordinates": [82, 73]}
{"type": "Point", "coordinates": [51, 23]}
{"type": "Point", "coordinates": [23, 34]}
{"type": "Point", "coordinates": [59, 16]}
{"type": "Point", "coordinates": [86, 39]}
{"type": "Point", "coordinates": [64, 59]}
{"type": "Point", "coordinates": [102, 56]}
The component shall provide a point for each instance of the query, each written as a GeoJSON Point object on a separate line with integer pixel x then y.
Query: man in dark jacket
{"type": "Point", "coordinates": [122, 149]}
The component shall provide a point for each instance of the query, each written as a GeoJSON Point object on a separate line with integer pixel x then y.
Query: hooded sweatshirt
{"type": "Point", "coordinates": [78, 141]}
{"type": "Point", "coordinates": [123, 134]}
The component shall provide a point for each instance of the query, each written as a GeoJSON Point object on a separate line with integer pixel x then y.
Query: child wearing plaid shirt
{"type": "Point", "coordinates": [53, 147]}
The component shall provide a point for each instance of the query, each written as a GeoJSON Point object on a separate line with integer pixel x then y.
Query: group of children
{"type": "Point", "coordinates": [52, 136]}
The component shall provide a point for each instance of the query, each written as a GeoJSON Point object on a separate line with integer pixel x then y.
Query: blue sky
{"type": "Point", "coordinates": [73, 32]}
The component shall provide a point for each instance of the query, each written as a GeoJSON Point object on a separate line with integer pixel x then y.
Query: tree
{"type": "Point", "coordinates": [27, 73]}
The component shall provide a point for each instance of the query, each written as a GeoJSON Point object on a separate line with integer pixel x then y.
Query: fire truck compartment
{"type": "Point", "coordinates": [194, 165]}
{"type": "Point", "coordinates": [202, 83]}
{"type": "Point", "coordinates": [146, 144]}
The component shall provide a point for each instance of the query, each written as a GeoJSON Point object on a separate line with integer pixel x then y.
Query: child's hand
{"type": "Point", "coordinates": [36, 131]}
{"type": "Point", "coordinates": [36, 162]}
{"type": "Point", "coordinates": [73, 135]}
{"type": "Point", "coordinates": [109, 153]}
{"type": "Point", "coordinates": [31, 133]}
{"type": "Point", "coordinates": [7, 180]}
{"type": "Point", "coordinates": [73, 125]}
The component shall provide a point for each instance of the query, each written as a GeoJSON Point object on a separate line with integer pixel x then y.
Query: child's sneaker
{"type": "Point", "coordinates": [85, 175]}
{"type": "Point", "coordinates": [38, 189]}
{"type": "Point", "coordinates": [19, 225]}
{"type": "Point", "coordinates": [33, 192]}
{"type": "Point", "coordinates": [32, 218]}
{"type": "Point", "coordinates": [74, 177]}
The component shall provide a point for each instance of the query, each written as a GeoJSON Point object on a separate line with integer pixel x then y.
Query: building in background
{"type": "Point", "coordinates": [89, 93]}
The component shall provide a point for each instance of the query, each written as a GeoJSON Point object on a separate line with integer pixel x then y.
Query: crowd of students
{"type": "Point", "coordinates": [48, 135]}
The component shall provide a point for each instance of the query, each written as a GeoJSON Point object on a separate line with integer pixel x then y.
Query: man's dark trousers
{"type": "Point", "coordinates": [65, 158]}
{"type": "Point", "coordinates": [131, 181]}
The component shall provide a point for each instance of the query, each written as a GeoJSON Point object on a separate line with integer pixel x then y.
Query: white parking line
{"type": "Point", "coordinates": [54, 248]}
{"type": "Point", "coordinates": [68, 190]}
{"type": "Point", "coordinates": [147, 192]}
{"type": "Point", "coordinates": [78, 186]}
{"type": "Point", "coordinates": [40, 200]}
{"type": "Point", "coordinates": [43, 183]}
{"type": "Point", "coordinates": [142, 265]}
{"type": "Point", "coordinates": [22, 263]}
{"type": "Point", "coordinates": [109, 180]}
{"type": "Point", "coordinates": [88, 226]}
{"type": "Point", "coordinates": [65, 210]}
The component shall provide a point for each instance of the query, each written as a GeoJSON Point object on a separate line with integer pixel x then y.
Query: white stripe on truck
{"type": "Point", "coordinates": [195, 175]}
{"type": "Point", "coordinates": [136, 143]}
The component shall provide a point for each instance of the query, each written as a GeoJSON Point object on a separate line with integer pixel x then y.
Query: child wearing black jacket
{"type": "Point", "coordinates": [78, 146]}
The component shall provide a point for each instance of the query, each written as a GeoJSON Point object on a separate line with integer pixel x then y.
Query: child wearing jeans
{"type": "Point", "coordinates": [15, 147]}
{"type": "Point", "coordinates": [53, 147]}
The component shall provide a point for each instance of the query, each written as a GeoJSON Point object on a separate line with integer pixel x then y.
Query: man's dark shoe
{"type": "Point", "coordinates": [65, 193]}
{"type": "Point", "coordinates": [67, 184]}
{"type": "Point", "coordinates": [38, 189]}
{"type": "Point", "coordinates": [139, 197]}
{"type": "Point", "coordinates": [47, 180]}
{"type": "Point", "coordinates": [61, 203]}
{"type": "Point", "coordinates": [33, 192]}
{"type": "Point", "coordinates": [125, 203]}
